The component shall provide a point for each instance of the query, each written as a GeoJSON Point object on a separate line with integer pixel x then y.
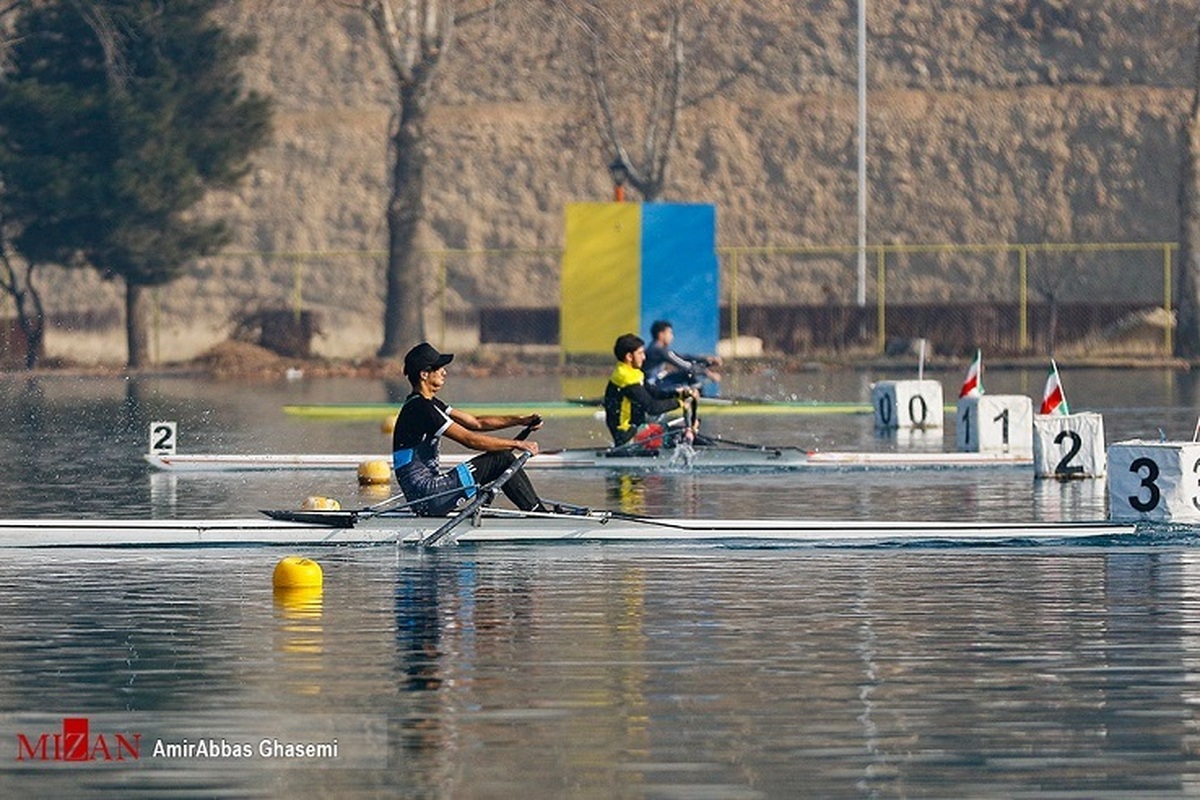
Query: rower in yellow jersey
{"type": "Point", "coordinates": [629, 405]}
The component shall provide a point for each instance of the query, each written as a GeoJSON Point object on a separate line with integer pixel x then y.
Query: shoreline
{"type": "Point", "coordinates": [243, 361]}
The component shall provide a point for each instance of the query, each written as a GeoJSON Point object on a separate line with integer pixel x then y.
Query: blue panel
{"type": "Point", "coordinates": [680, 274]}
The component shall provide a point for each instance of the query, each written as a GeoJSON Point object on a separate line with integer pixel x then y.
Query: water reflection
{"type": "Point", "coordinates": [299, 640]}
{"type": "Point", "coordinates": [419, 622]}
{"type": "Point", "coordinates": [665, 671]}
{"type": "Point", "coordinates": [1057, 500]}
{"type": "Point", "coordinates": [921, 440]}
{"type": "Point", "coordinates": [622, 670]}
{"type": "Point", "coordinates": [681, 494]}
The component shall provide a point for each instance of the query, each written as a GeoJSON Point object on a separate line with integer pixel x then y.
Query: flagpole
{"type": "Point", "coordinates": [1058, 379]}
{"type": "Point", "coordinates": [861, 294]}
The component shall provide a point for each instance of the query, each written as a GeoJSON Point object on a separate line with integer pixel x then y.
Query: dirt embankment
{"type": "Point", "coordinates": [989, 121]}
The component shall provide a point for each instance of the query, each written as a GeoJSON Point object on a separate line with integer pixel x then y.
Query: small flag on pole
{"type": "Point", "coordinates": [1053, 399]}
{"type": "Point", "coordinates": [973, 385]}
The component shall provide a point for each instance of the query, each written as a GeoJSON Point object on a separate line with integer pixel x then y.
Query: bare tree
{"type": "Point", "coordinates": [635, 60]}
{"type": "Point", "coordinates": [16, 280]}
{"type": "Point", "coordinates": [16, 276]}
{"type": "Point", "coordinates": [1187, 339]}
{"type": "Point", "coordinates": [661, 71]}
{"type": "Point", "coordinates": [416, 35]}
{"type": "Point", "coordinates": [1050, 285]}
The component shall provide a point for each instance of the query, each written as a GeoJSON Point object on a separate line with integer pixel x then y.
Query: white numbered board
{"type": "Point", "coordinates": [1069, 445]}
{"type": "Point", "coordinates": [1154, 481]}
{"type": "Point", "coordinates": [995, 423]}
{"type": "Point", "coordinates": [162, 438]}
{"type": "Point", "coordinates": [907, 404]}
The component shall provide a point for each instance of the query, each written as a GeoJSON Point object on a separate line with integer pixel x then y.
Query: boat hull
{"type": "Point", "coordinates": [497, 526]}
{"type": "Point", "coordinates": [715, 459]}
{"type": "Point", "coordinates": [568, 410]}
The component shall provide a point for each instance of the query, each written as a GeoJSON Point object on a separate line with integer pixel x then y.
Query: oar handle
{"type": "Point", "coordinates": [530, 428]}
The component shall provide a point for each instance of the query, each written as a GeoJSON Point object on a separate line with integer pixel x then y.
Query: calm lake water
{"type": "Point", "coordinates": [580, 670]}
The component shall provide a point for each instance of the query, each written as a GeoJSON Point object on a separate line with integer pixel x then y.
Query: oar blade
{"type": "Point", "coordinates": [332, 519]}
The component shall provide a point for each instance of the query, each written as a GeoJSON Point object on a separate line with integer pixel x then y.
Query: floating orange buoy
{"type": "Point", "coordinates": [374, 472]}
{"type": "Point", "coordinates": [295, 572]}
{"type": "Point", "coordinates": [315, 503]}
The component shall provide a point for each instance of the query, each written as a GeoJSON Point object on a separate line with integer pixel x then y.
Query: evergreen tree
{"type": "Point", "coordinates": [116, 117]}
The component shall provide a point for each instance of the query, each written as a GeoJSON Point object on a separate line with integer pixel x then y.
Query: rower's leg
{"type": "Point", "coordinates": [519, 489]}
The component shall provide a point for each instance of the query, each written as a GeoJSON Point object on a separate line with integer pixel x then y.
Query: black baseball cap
{"type": "Point", "coordinates": [424, 357]}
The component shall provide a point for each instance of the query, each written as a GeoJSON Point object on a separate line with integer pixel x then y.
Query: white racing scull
{"type": "Point", "coordinates": [501, 526]}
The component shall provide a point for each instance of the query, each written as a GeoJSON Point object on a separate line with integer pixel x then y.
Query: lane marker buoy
{"type": "Point", "coordinates": [317, 503]}
{"type": "Point", "coordinates": [295, 572]}
{"type": "Point", "coordinates": [373, 473]}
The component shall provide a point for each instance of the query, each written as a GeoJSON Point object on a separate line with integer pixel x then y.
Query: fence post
{"type": "Point", "coordinates": [1168, 333]}
{"type": "Point", "coordinates": [733, 303]}
{"type": "Point", "coordinates": [442, 282]}
{"type": "Point", "coordinates": [156, 358]}
{"type": "Point", "coordinates": [297, 287]}
{"type": "Point", "coordinates": [1022, 299]}
{"type": "Point", "coordinates": [881, 299]}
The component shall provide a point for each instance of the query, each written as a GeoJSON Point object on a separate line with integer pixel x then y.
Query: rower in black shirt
{"type": "Point", "coordinates": [424, 419]}
{"type": "Point", "coordinates": [668, 369]}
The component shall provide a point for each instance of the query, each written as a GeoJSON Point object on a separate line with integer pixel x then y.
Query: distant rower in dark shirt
{"type": "Point", "coordinates": [668, 369]}
{"type": "Point", "coordinates": [424, 419]}
{"type": "Point", "coordinates": [628, 403]}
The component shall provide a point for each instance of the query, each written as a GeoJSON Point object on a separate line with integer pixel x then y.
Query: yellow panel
{"type": "Point", "coordinates": [585, 387]}
{"type": "Point", "coordinates": [601, 285]}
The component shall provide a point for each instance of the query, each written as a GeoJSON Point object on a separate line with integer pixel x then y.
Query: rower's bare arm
{"type": "Point", "coordinates": [492, 423]}
{"type": "Point", "coordinates": [476, 440]}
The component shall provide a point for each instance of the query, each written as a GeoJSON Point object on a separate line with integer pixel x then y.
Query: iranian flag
{"type": "Point", "coordinates": [973, 385]}
{"type": "Point", "coordinates": [1053, 399]}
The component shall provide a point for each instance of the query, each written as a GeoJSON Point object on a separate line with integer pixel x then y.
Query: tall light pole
{"type": "Point", "coordinates": [862, 153]}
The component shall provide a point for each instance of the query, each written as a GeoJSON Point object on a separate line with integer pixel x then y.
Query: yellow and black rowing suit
{"type": "Point", "coordinates": [627, 402]}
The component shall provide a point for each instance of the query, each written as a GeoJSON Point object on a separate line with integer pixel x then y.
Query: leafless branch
{"type": "Point", "coordinates": [109, 36]}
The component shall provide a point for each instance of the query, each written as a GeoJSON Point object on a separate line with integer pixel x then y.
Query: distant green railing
{"type": "Point", "coordinates": [904, 274]}
{"type": "Point", "coordinates": [1164, 253]}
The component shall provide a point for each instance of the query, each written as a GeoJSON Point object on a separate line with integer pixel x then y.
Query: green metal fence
{"type": "Point", "coordinates": [1018, 294]}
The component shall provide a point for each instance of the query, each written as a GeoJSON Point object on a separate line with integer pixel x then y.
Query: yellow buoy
{"type": "Point", "coordinates": [388, 425]}
{"type": "Point", "coordinates": [315, 503]}
{"type": "Point", "coordinates": [374, 473]}
{"type": "Point", "coordinates": [295, 572]}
